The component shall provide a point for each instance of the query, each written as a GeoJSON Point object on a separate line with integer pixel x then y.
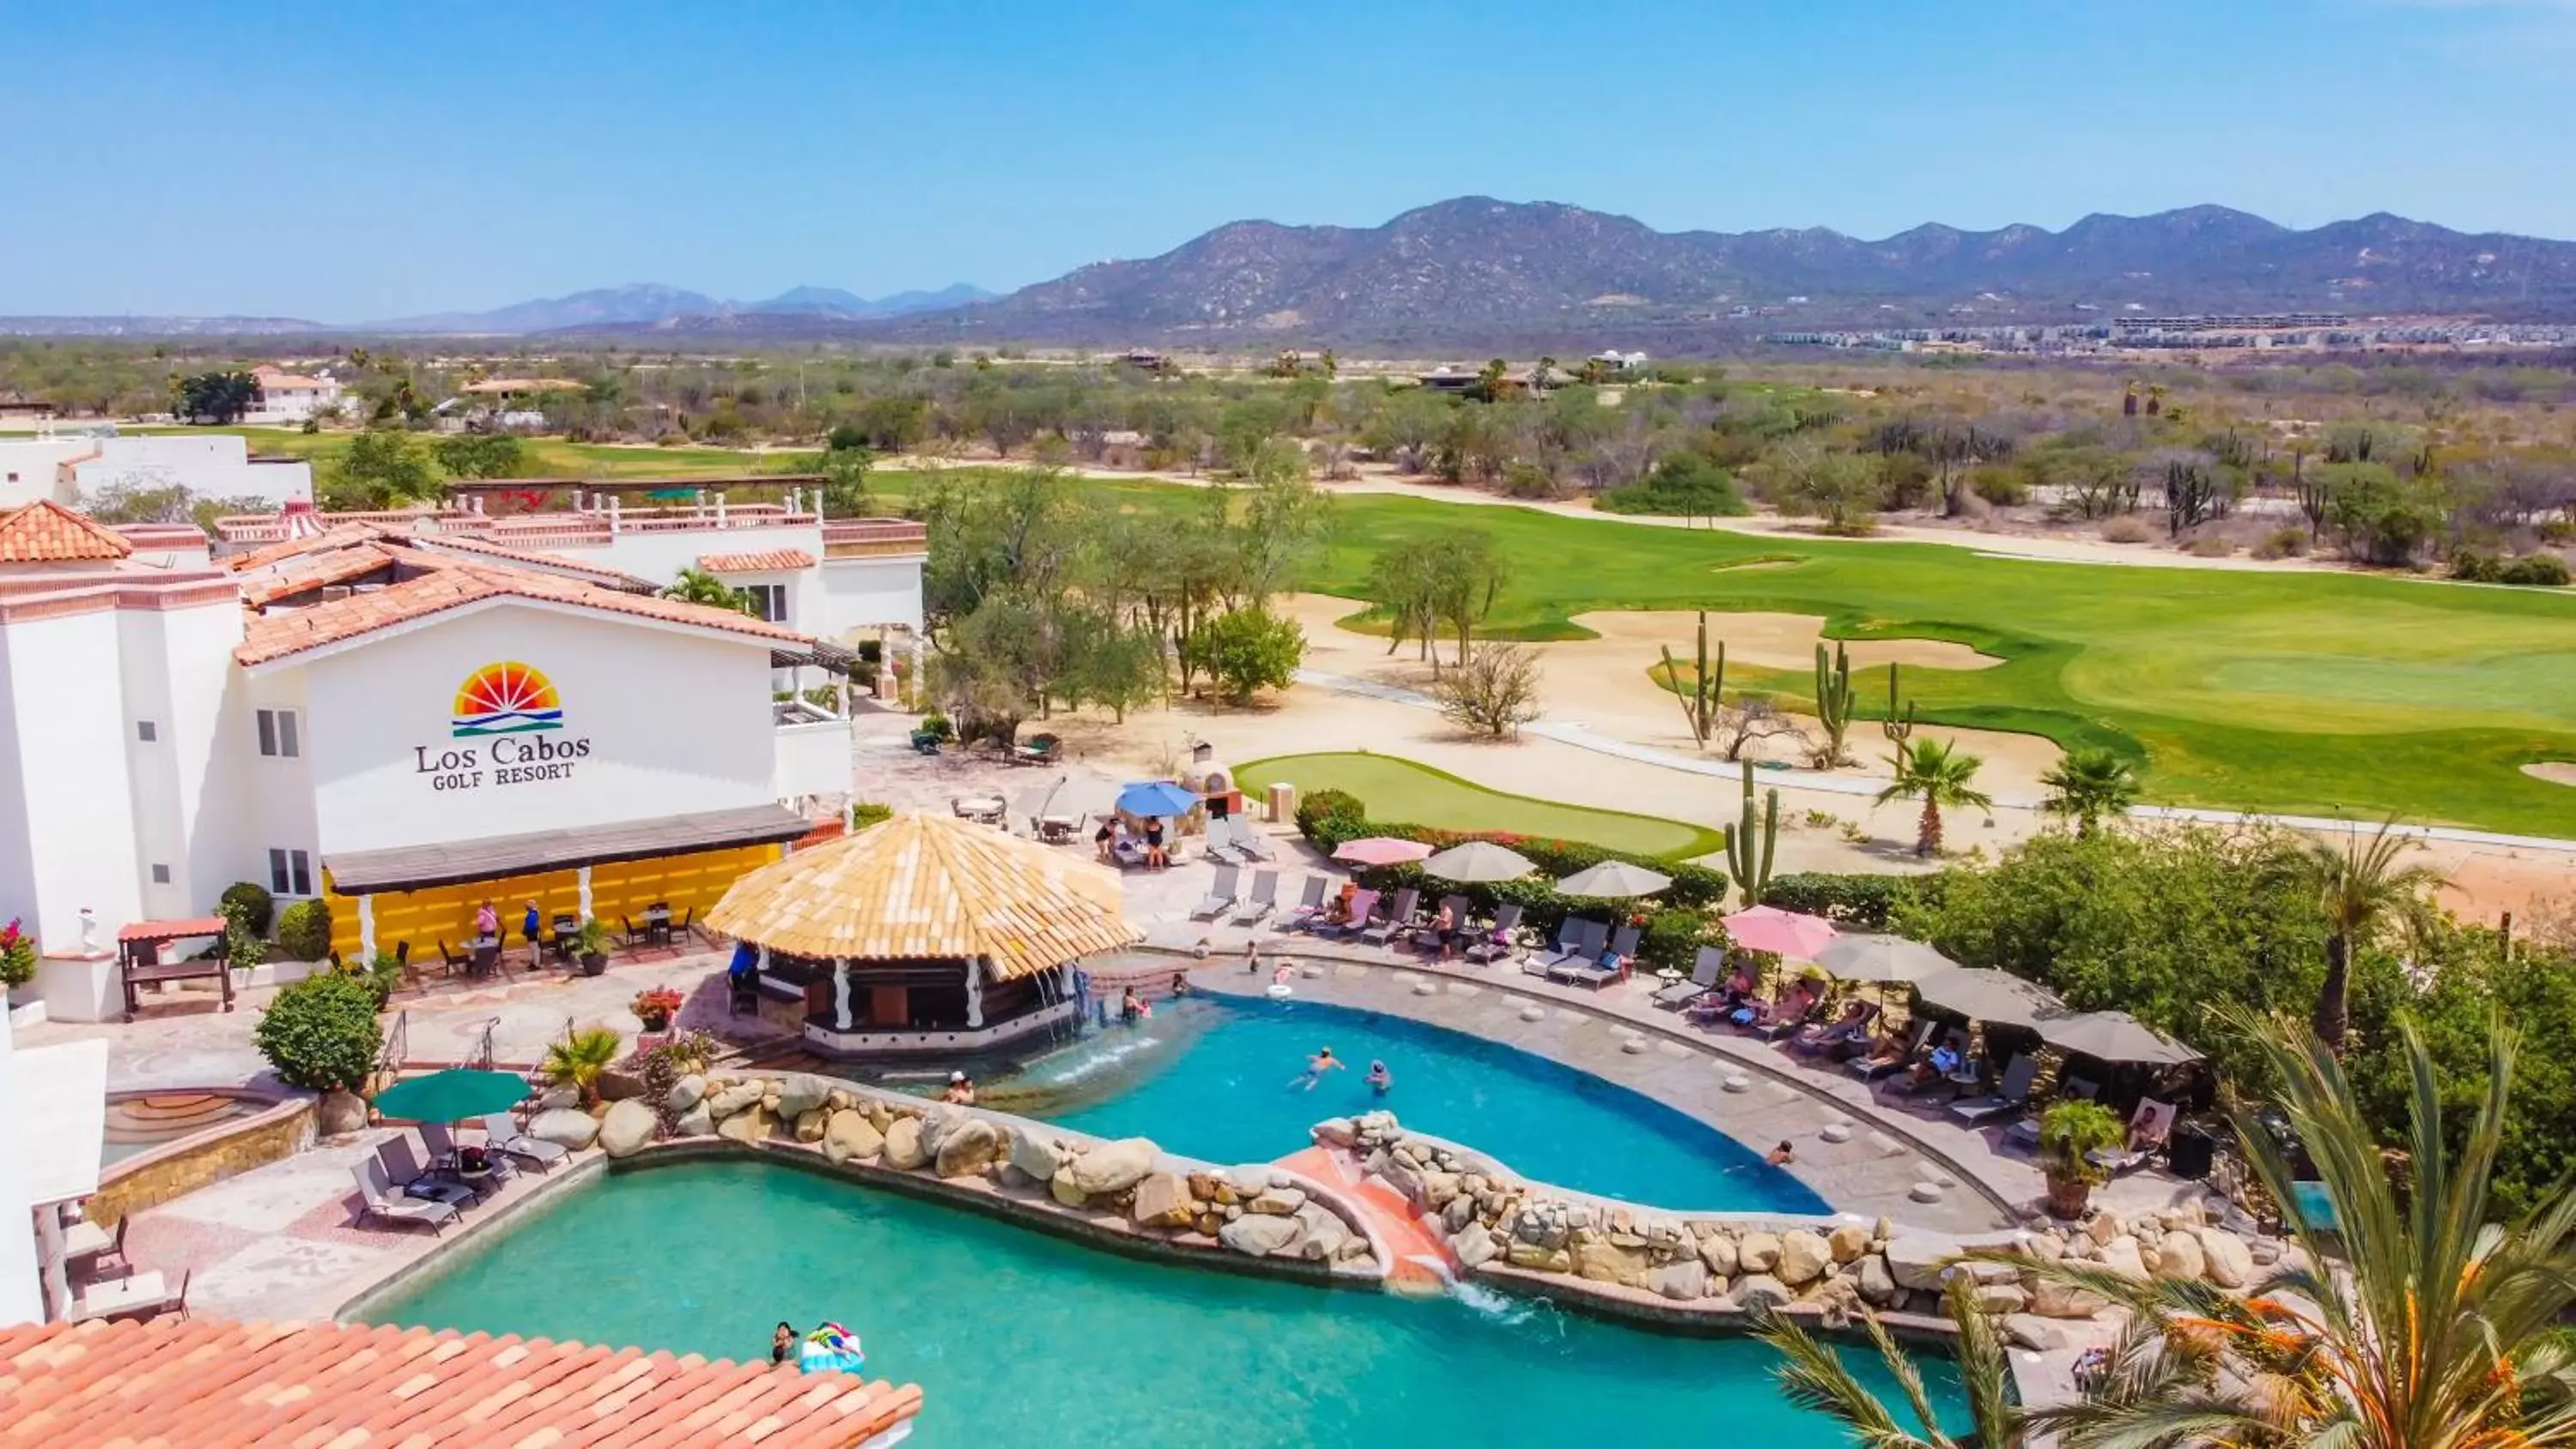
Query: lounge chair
{"type": "Point", "coordinates": [2008, 1098]}
{"type": "Point", "coordinates": [443, 1155]}
{"type": "Point", "coordinates": [1788, 1021]}
{"type": "Point", "coordinates": [394, 1153]}
{"type": "Point", "coordinates": [1707, 969]}
{"type": "Point", "coordinates": [1576, 940]}
{"type": "Point", "coordinates": [1221, 897]}
{"type": "Point", "coordinates": [1399, 919]}
{"type": "Point", "coordinates": [1597, 973]}
{"type": "Point", "coordinates": [2149, 1126]}
{"type": "Point", "coordinates": [1310, 905]}
{"type": "Point", "coordinates": [500, 1134]}
{"type": "Point", "coordinates": [143, 1295]}
{"type": "Point", "coordinates": [1498, 942]}
{"type": "Point", "coordinates": [382, 1201]}
{"type": "Point", "coordinates": [1363, 906]}
{"type": "Point", "coordinates": [1871, 1066]}
{"type": "Point", "coordinates": [1250, 841]}
{"type": "Point", "coordinates": [1851, 1030]}
{"type": "Point", "coordinates": [1263, 900]}
{"type": "Point", "coordinates": [2024, 1135]}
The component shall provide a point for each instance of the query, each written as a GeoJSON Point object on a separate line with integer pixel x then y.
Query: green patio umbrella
{"type": "Point", "coordinates": [452, 1095]}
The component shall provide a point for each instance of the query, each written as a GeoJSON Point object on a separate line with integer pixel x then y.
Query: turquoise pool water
{"type": "Point", "coordinates": [1021, 1338]}
{"type": "Point", "coordinates": [1216, 1079]}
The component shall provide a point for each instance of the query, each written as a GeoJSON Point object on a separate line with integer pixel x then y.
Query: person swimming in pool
{"type": "Point", "coordinates": [1379, 1078]}
{"type": "Point", "coordinates": [1321, 1062]}
{"type": "Point", "coordinates": [782, 1344]}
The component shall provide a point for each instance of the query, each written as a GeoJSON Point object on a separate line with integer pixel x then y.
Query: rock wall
{"type": "Point", "coordinates": [1128, 1187]}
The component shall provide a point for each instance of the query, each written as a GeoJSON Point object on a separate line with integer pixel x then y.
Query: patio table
{"type": "Point", "coordinates": [657, 923]}
{"type": "Point", "coordinates": [84, 1239]}
{"type": "Point", "coordinates": [119, 1296]}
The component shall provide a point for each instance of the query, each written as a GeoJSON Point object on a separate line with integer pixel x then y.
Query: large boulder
{"type": "Point", "coordinates": [733, 1098]}
{"type": "Point", "coordinates": [1803, 1256]}
{"type": "Point", "coordinates": [1538, 1257]}
{"type": "Point", "coordinates": [1607, 1262]}
{"type": "Point", "coordinates": [750, 1126]}
{"type": "Point", "coordinates": [809, 1125]}
{"type": "Point", "coordinates": [800, 1094]}
{"type": "Point", "coordinates": [969, 1147]}
{"type": "Point", "coordinates": [1277, 1202]}
{"type": "Point", "coordinates": [1717, 1250]}
{"type": "Point", "coordinates": [2178, 1256]}
{"type": "Point", "coordinates": [1683, 1279]}
{"type": "Point", "coordinates": [1110, 1167]}
{"type": "Point", "coordinates": [1475, 1245]}
{"type": "Point", "coordinates": [1325, 1233]}
{"type": "Point", "coordinates": [565, 1127]}
{"type": "Point", "coordinates": [848, 1134]}
{"type": "Point", "coordinates": [2121, 1256]}
{"type": "Point", "coordinates": [1877, 1285]}
{"type": "Point", "coordinates": [1757, 1251]}
{"type": "Point", "coordinates": [1761, 1290]}
{"type": "Point", "coordinates": [2000, 1297]}
{"type": "Point", "coordinates": [1061, 1188]}
{"type": "Point", "coordinates": [2225, 1258]}
{"type": "Point", "coordinates": [1337, 1132]}
{"type": "Point", "coordinates": [687, 1092]}
{"type": "Point", "coordinates": [626, 1129]}
{"type": "Point", "coordinates": [1035, 1154]}
{"type": "Point", "coordinates": [903, 1149]}
{"type": "Point", "coordinates": [340, 1114]}
{"type": "Point", "coordinates": [1848, 1242]}
{"type": "Point", "coordinates": [1163, 1201]}
{"type": "Point", "coordinates": [2036, 1334]}
{"type": "Point", "coordinates": [1262, 1235]}
{"type": "Point", "coordinates": [1917, 1260]}
{"type": "Point", "coordinates": [2062, 1300]}
{"type": "Point", "coordinates": [695, 1122]}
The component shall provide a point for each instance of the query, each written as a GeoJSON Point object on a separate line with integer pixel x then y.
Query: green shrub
{"type": "Point", "coordinates": [248, 904]}
{"type": "Point", "coordinates": [17, 954]}
{"type": "Point", "coordinates": [2126, 530]}
{"type": "Point", "coordinates": [1856, 900]}
{"type": "Point", "coordinates": [321, 1034]}
{"type": "Point", "coordinates": [1340, 806]}
{"type": "Point", "coordinates": [2473, 566]}
{"type": "Point", "coordinates": [2210, 545]}
{"type": "Point", "coordinates": [304, 929]}
{"type": "Point", "coordinates": [2544, 570]}
{"type": "Point", "coordinates": [938, 725]}
{"type": "Point", "coordinates": [1999, 486]}
{"type": "Point", "coordinates": [2282, 543]}
{"type": "Point", "coordinates": [1672, 939]}
{"type": "Point", "coordinates": [382, 975]}
{"type": "Point", "coordinates": [869, 812]}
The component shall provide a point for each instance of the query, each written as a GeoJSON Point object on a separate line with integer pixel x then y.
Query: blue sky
{"type": "Point", "coordinates": [346, 161]}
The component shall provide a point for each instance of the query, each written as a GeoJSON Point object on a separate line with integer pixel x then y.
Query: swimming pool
{"type": "Point", "coordinates": [1213, 1078]}
{"type": "Point", "coordinates": [1017, 1337]}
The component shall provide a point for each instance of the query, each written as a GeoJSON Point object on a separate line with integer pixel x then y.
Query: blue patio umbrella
{"type": "Point", "coordinates": [1155, 797]}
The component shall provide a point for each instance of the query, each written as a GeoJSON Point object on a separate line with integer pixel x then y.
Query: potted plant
{"type": "Point", "coordinates": [591, 945]}
{"type": "Point", "coordinates": [580, 1059]}
{"type": "Point", "coordinates": [655, 1006]}
{"type": "Point", "coordinates": [2068, 1131]}
{"type": "Point", "coordinates": [17, 957]}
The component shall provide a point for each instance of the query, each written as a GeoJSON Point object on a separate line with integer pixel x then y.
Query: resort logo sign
{"type": "Point", "coordinates": [516, 708]}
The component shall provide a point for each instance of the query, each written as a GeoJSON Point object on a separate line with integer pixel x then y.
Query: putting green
{"type": "Point", "coordinates": [1400, 791]}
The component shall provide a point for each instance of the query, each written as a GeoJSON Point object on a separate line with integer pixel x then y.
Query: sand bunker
{"type": "Point", "coordinates": [1775, 641]}
{"type": "Point", "coordinates": [2556, 772]}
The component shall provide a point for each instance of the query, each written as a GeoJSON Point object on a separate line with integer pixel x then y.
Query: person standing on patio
{"type": "Point", "coordinates": [487, 922]}
{"type": "Point", "coordinates": [533, 926]}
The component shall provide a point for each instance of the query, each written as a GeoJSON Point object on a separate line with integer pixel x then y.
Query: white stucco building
{"type": "Point", "coordinates": [291, 397]}
{"type": "Point", "coordinates": [404, 723]}
{"type": "Point", "coordinates": [70, 467]}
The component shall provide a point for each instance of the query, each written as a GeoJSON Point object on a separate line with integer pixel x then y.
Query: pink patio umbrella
{"type": "Point", "coordinates": [1782, 933]}
{"type": "Point", "coordinates": [1381, 850]}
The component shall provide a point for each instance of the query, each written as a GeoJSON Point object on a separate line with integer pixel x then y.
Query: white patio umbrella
{"type": "Point", "coordinates": [1883, 958]}
{"type": "Point", "coordinates": [1478, 861]}
{"type": "Point", "coordinates": [1613, 878]}
{"type": "Point", "coordinates": [1997, 998]}
{"type": "Point", "coordinates": [2112, 1036]}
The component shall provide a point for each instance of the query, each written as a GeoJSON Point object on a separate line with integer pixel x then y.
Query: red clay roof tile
{"type": "Point", "coordinates": [763, 561]}
{"type": "Point", "coordinates": [213, 1382]}
{"type": "Point", "coordinates": [46, 532]}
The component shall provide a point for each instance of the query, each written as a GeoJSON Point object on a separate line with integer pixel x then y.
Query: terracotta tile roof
{"type": "Point", "coordinates": [179, 930]}
{"type": "Point", "coordinates": [764, 561]}
{"type": "Point", "coordinates": [291, 576]}
{"type": "Point", "coordinates": [278, 377]}
{"type": "Point", "coordinates": [46, 532]}
{"type": "Point", "coordinates": [212, 1382]}
{"type": "Point", "coordinates": [930, 886]}
{"type": "Point", "coordinates": [338, 535]}
{"type": "Point", "coordinates": [278, 634]}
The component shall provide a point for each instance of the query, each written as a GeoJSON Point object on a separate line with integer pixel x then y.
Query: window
{"type": "Point", "coordinates": [768, 601]}
{"type": "Point", "coordinates": [146, 731]}
{"type": "Point", "coordinates": [281, 735]}
{"type": "Point", "coordinates": [160, 875]}
{"type": "Point", "coordinates": [290, 873]}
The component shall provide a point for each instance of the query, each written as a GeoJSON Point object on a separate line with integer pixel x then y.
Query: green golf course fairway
{"type": "Point", "coordinates": [1402, 792]}
{"type": "Point", "coordinates": [2295, 692]}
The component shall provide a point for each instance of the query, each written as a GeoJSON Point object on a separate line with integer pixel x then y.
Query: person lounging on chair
{"type": "Point", "coordinates": [1705, 971]}
{"type": "Point", "coordinates": [2149, 1127]}
{"type": "Point", "coordinates": [1849, 1029]}
{"type": "Point", "coordinates": [1497, 943]}
{"type": "Point", "coordinates": [1611, 965]}
{"type": "Point", "coordinates": [2009, 1097]}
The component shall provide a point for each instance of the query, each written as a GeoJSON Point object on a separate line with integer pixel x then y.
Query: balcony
{"type": "Point", "coordinates": [875, 538]}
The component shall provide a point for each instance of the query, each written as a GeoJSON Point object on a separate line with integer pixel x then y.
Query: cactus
{"type": "Point", "coordinates": [1833, 705]}
{"type": "Point", "coordinates": [1699, 706]}
{"type": "Point", "coordinates": [1899, 724]}
{"type": "Point", "coordinates": [1748, 862]}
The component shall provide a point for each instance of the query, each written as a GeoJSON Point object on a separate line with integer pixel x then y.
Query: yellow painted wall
{"type": "Point", "coordinates": [426, 917]}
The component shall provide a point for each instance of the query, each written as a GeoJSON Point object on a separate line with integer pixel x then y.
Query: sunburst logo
{"type": "Point", "coordinates": [509, 698]}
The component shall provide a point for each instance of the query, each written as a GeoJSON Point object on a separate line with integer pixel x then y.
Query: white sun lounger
{"type": "Point", "coordinates": [1222, 897]}
{"type": "Point", "coordinates": [500, 1134]}
{"type": "Point", "coordinates": [382, 1201]}
{"type": "Point", "coordinates": [1310, 906]}
{"type": "Point", "coordinates": [1263, 900]}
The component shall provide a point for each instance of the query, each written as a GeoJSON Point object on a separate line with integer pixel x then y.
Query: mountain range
{"type": "Point", "coordinates": [649, 304]}
{"type": "Point", "coordinates": [1480, 270]}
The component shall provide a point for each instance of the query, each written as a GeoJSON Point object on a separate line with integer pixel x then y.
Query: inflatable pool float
{"type": "Point", "coordinates": [1279, 981]}
{"type": "Point", "coordinates": [831, 1349]}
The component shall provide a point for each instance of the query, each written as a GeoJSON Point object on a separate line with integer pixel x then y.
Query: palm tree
{"type": "Point", "coordinates": [2362, 888]}
{"type": "Point", "coordinates": [2089, 784]}
{"type": "Point", "coordinates": [2434, 1328]}
{"type": "Point", "coordinates": [580, 1058]}
{"type": "Point", "coordinates": [1933, 772]}
{"type": "Point", "coordinates": [1814, 1377]}
{"type": "Point", "coordinates": [697, 586]}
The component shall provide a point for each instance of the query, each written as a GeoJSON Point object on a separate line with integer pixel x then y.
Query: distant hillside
{"type": "Point", "coordinates": [1479, 269]}
{"type": "Point", "coordinates": [646, 305]}
{"type": "Point", "coordinates": [156, 326]}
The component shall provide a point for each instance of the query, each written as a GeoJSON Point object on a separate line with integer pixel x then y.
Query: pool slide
{"type": "Point", "coordinates": [1420, 1261]}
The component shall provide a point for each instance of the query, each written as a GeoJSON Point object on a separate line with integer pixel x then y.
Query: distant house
{"type": "Point", "coordinates": [1615, 361]}
{"type": "Point", "coordinates": [291, 397]}
{"type": "Point", "coordinates": [1445, 378]}
{"type": "Point", "coordinates": [1143, 360]}
{"type": "Point", "coordinates": [19, 406]}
